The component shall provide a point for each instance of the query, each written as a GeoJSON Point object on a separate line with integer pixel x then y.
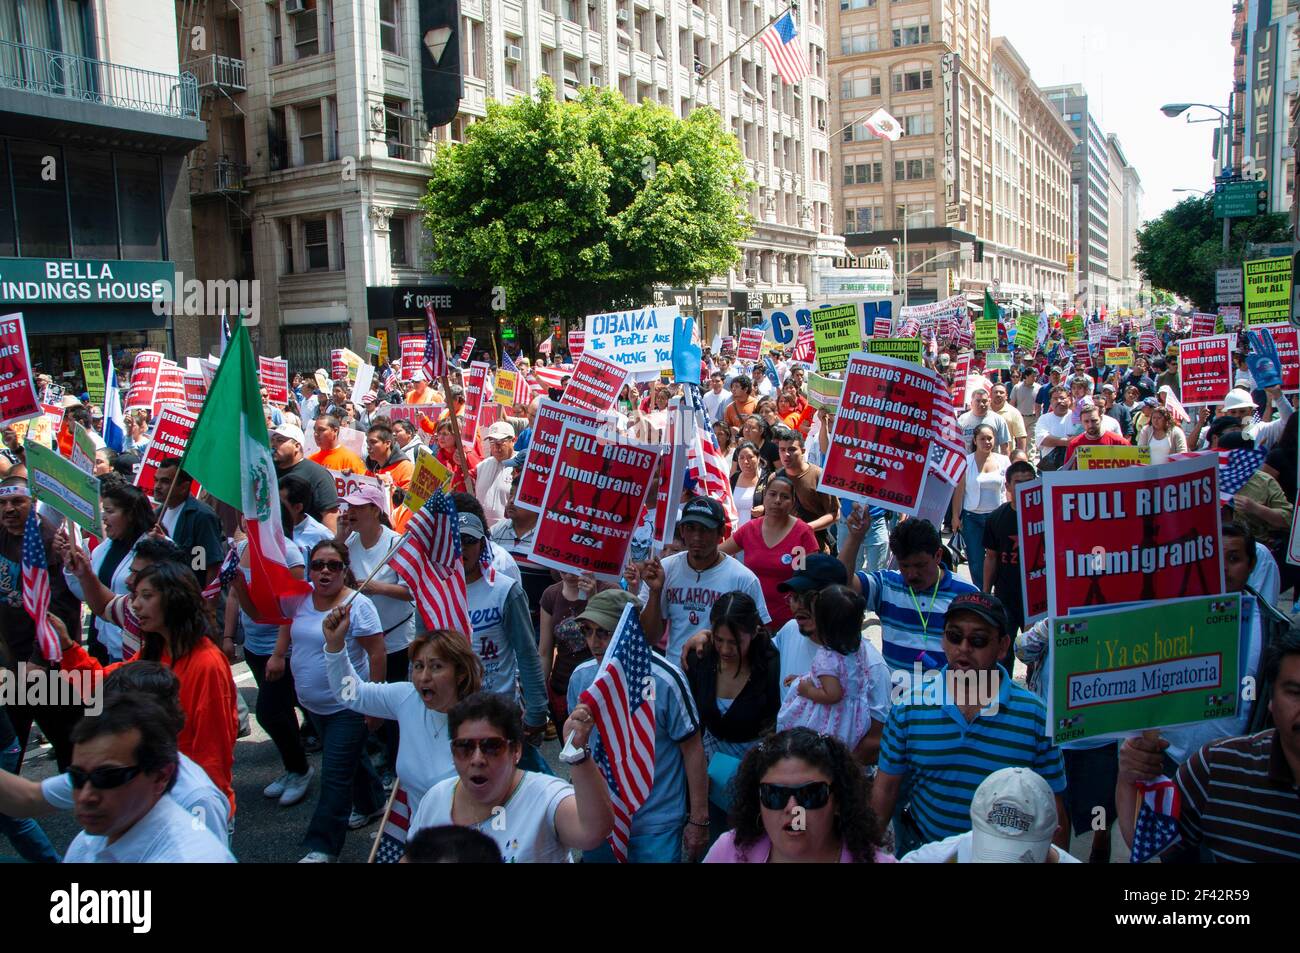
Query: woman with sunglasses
{"type": "Point", "coordinates": [348, 779]}
{"type": "Point", "coordinates": [532, 817]}
{"type": "Point", "coordinates": [800, 798]}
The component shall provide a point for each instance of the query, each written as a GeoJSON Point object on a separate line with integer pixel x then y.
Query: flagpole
{"type": "Point", "coordinates": [382, 563]}
{"type": "Point", "coordinates": [383, 821]}
{"type": "Point", "coordinates": [728, 57]}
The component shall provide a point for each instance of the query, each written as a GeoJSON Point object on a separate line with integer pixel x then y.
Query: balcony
{"type": "Point", "coordinates": [217, 74]}
{"type": "Point", "coordinates": [222, 176]}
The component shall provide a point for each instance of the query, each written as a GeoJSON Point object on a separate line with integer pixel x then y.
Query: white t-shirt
{"type": "Point", "coordinates": [984, 490]}
{"type": "Point", "coordinates": [492, 482]}
{"type": "Point", "coordinates": [715, 404]}
{"type": "Point", "coordinates": [167, 834]}
{"type": "Point", "coordinates": [397, 616]}
{"type": "Point", "coordinates": [688, 596]}
{"type": "Point", "coordinates": [744, 497]}
{"type": "Point", "coordinates": [524, 828]}
{"type": "Point", "coordinates": [956, 849]}
{"type": "Point", "coordinates": [307, 652]}
{"type": "Point", "coordinates": [1050, 425]}
{"type": "Point", "coordinates": [1110, 425]}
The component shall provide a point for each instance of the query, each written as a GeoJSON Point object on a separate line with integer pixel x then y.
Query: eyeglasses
{"type": "Point", "coordinates": [333, 565]}
{"type": "Point", "coordinates": [102, 779]}
{"type": "Point", "coordinates": [976, 641]}
{"type": "Point", "coordinates": [808, 796]}
{"type": "Point", "coordinates": [491, 747]}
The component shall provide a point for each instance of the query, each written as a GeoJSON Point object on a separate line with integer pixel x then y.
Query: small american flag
{"type": "Point", "coordinates": [782, 42]}
{"type": "Point", "coordinates": [704, 457]}
{"type": "Point", "coordinates": [947, 449]}
{"type": "Point", "coordinates": [435, 358]}
{"type": "Point", "coordinates": [429, 561]}
{"type": "Point", "coordinates": [552, 376]}
{"type": "Point", "coordinates": [1235, 468]}
{"type": "Point", "coordinates": [392, 838]}
{"type": "Point", "coordinates": [388, 377]}
{"type": "Point", "coordinates": [522, 394]}
{"type": "Point", "coordinates": [36, 588]}
{"type": "Point", "coordinates": [1156, 827]}
{"type": "Point", "coordinates": [229, 566]}
{"type": "Point", "coordinates": [804, 348]}
{"type": "Point", "coordinates": [623, 744]}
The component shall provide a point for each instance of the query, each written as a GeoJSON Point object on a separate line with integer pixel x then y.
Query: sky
{"type": "Point", "coordinates": [1133, 56]}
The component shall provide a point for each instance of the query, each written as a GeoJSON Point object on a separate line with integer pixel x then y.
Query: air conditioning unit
{"type": "Point", "coordinates": [622, 16]}
{"type": "Point", "coordinates": [821, 124]}
{"type": "Point", "coordinates": [514, 54]}
{"type": "Point", "coordinates": [295, 6]}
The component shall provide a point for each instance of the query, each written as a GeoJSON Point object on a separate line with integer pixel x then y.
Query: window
{"type": "Point", "coordinates": [863, 219]}
{"type": "Point", "coordinates": [911, 31]}
{"type": "Point", "coordinates": [94, 208]}
{"type": "Point", "coordinates": [915, 215]}
{"type": "Point", "coordinates": [310, 141]}
{"type": "Point", "coordinates": [475, 58]}
{"type": "Point", "coordinates": [277, 39]}
{"type": "Point", "coordinates": [863, 173]}
{"type": "Point", "coordinates": [918, 124]}
{"type": "Point", "coordinates": [389, 34]}
{"type": "Point", "coordinates": [139, 199]}
{"type": "Point", "coordinates": [315, 242]}
{"type": "Point", "coordinates": [39, 201]}
{"type": "Point", "coordinates": [859, 38]}
{"type": "Point", "coordinates": [305, 41]}
{"type": "Point", "coordinates": [397, 129]}
{"type": "Point", "coordinates": [911, 77]}
{"type": "Point", "coordinates": [397, 227]}
{"type": "Point", "coordinates": [908, 169]}
{"type": "Point", "coordinates": [278, 140]}
{"type": "Point", "coordinates": [514, 68]}
{"type": "Point", "coordinates": [286, 238]}
{"type": "Point", "coordinates": [856, 4]}
{"type": "Point", "coordinates": [860, 85]}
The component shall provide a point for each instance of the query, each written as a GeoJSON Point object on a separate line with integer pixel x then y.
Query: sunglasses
{"type": "Point", "coordinates": [491, 747]}
{"type": "Point", "coordinates": [102, 779]}
{"type": "Point", "coordinates": [976, 641]}
{"type": "Point", "coordinates": [808, 796]}
{"type": "Point", "coordinates": [333, 565]}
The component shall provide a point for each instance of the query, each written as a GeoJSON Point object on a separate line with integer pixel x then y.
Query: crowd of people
{"type": "Point", "coordinates": [782, 732]}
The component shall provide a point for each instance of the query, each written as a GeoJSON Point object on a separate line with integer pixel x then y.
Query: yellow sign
{"type": "Point", "coordinates": [504, 393]}
{"type": "Point", "coordinates": [354, 361]}
{"type": "Point", "coordinates": [382, 334]}
{"type": "Point", "coordinates": [428, 475]}
{"type": "Point", "coordinates": [1105, 458]}
{"type": "Point", "coordinates": [1118, 357]}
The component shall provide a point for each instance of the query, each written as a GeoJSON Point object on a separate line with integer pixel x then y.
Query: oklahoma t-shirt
{"type": "Point", "coordinates": [524, 828]}
{"type": "Point", "coordinates": [688, 595]}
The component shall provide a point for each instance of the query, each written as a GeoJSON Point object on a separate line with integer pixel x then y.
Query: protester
{"type": "Point", "coordinates": [190, 522]}
{"type": "Point", "coordinates": [515, 533]}
{"type": "Point", "coordinates": [287, 442]}
{"type": "Point", "coordinates": [755, 430]}
{"type": "Point", "coordinates": [976, 497]}
{"type": "Point", "coordinates": [982, 412]}
{"type": "Point", "coordinates": [1093, 435]}
{"type": "Point", "coordinates": [1012, 417]}
{"type": "Point", "coordinates": [494, 477]}
{"type": "Point", "coordinates": [748, 482]}
{"type": "Point", "coordinates": [818, 510]}
{"type": "Point", "coordinates": [560, 644]}
{"type": "Point", "coordinates": [330, 452]}
{"type": "Point", "coordinates": [772, 543]}
{"type": "Point", "coordinates": [1002, 546]}
{"type": "Point", "coordinates": [743, 403]}
{"type": "Point", "coordinates": [407, 436]}
{"type": "Point", "coordinates": [726, 445]}
{"type": "Point", "coordinates": [386, 459]}
{"type": "Point", "coordinates": [1161, 438]}
{"type": "Point", "coordinates": [305, 530]}
{"type": "Point", "coordinates": [450, 456]}
{"type": "Point", "coordinates": [716, 397]}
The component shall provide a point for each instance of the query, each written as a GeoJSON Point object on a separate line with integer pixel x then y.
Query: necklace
{"type": "Point", "coordinates": [925, 616]}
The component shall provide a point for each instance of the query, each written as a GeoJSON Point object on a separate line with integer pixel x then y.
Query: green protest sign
{"type": "Point", "coordinates": [904, 349]}
{"type": "Point", "coordinates": [824, 391]}
{"type": "Point", "coordinates": [92, 368]}
{"type": "Point", "coordinates": [1152, 665]}
{"type": "Point", "coordinates": [997, 361]}
{"type": "Point", "coordinates": [1161, 322]}
{"type": "Point", "coordinates": [1073, 328]}
{"type": "Point", "coordinates": [837, 333]}
{"type": "Point", "coordinates": [1027, 330]}
{"type": "Point", "coordinates": [71, 491]}
{"type": "Point", "coordinates": [372, 345]}
{"type": "Point", "coordinates": [83, 449]}
{"type": "Point", "coordinates": [1268, 291]}
{"type": "Point", "coordinates": [986, 335]}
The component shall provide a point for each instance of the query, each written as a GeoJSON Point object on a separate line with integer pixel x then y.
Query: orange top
{"type": "Point", "coordinates": [401, 472]}
{"type": "Point", "coordinates": [420, 395]}
{"type": "Point", "coordinates": [340, 458]}
{"type": "Point", "coordinates": [208, 700]}
{"type": "Point", "coordinates": [401, 516]}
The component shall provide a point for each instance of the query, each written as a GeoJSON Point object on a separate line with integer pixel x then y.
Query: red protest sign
{"type": "Point", "coordinates": [1203, 324]}
{"type": "Point", "coordinates": [412, 350]}
{"type": "Point", "coordinates": [17, 385]}
{"type": "Point", "coordinates": [196, 392]}
{"type": "Point", "coordinates": [1082, 359]}
{"type": "Point", "coordinates": [171, 387]}
{"type": "Point", "coordinates": [577, 343]}
{"type": "Point", "coordinates": [338, 366]}
{"type": "Point", "coordinates": [550, 420]}
{"type": "Point", "coordinates": [467, 349]}
{"type": "Point", "coordinates": [1285, 339]}
{"type": "Point", "coordinates": [880, 443]}
{"type": "Point", "coordinates": [751, 344]}
{"type": "Point", "coordinates": [728, 344]}
{"type": "Point", "coordinates": [170, 435]}
{"type": "Point", "coordinates": [274, 375]}
{"type": "Point", "coordinates": [474, 399]}
{"type": "Point", "coordinates": [1134, 534]}
{"type": "Point", "coordinates": [145, 371]}
{"type": "Point", "coordinates": [347, 483]}
{"type": "Point", "coordinates": [595, 383]}
{"type": "Point", "coordinates": [1033, 551]}
{"type": "Point", "coordinates": [1204, 370]}
{"type": "Point", "coordinates": [412, 413]}
{"type": "Point", "coordinates": [592, 504]}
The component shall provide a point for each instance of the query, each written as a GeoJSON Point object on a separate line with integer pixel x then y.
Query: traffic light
{"type": "Point", "coordinates": [979, 251]}
{"type": "Point", "coordinates": [1261, 201]}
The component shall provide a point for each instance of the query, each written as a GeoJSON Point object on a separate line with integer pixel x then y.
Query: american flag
{"type": "Point", "coordinates": [553, 375]}
{"type": "Point", "coordinates": [397, 824]}
{"type": "Point", "coordinates": [429, 561]}
{"type": "Point", "coordinates": [623, 744]}
{"type": "Point", "coordinates": [1156, 827]}
{"type": "Point", "coordinates": [435, 358]}
{"type": "Point", "coordinates": [229, 566]}
{"type": "Point", "coordinates": [523, 394]}
{"type": "Point", "coordinates": [704, 457]}
{"type": "Point", "coordinates": [947, 448]}
{"type": "Point", "coordinates": [36, 588]}
{"type": "Point", "coordinates": [388, 376]}
{"type": "Point", "coordinates": [804, 348]}
{"type": "Point", "coordinates": [785, 48]}
{"type": "Point", "coordinates": [1236, 467]}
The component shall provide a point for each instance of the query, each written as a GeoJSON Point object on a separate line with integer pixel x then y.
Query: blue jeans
{"type": "Point", "coordinates": [873, 553]}
{"type": "Point", "coordinates": [24, 833]}
{"type": "Point", "coordinates": [972, 531]}
{"type": "Point", "coordinates": [347, 780]}
{"type": "Point", "coordinates": [662, 848]}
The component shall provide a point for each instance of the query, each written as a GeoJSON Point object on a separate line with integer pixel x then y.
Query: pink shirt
{"type": "Point", "coordinates": [724, 851]}
{"type": "Point", "coordinates": [774, 565]}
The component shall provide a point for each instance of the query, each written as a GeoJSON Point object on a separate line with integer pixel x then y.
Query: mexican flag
{"type": "Point", "coordinates": [230, 456]}
{"type": "Point", "coordinates": [991, 312]}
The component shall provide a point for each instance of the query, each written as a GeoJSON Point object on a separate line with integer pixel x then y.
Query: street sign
{"type": "Point", "coordinates": [1228, 286]}
{"type": "Point", "coordinates": [1240, 199]}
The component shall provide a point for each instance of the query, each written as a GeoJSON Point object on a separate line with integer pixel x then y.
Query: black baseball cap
{"type": "Point", "coordinates": [819, 571]}
{"type": "Point", "coordinates": [704, 511]}
{"type": "Point", "coordinates": [987, 607]}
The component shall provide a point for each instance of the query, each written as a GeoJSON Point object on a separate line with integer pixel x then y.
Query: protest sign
{"type": "Point", "coordinates": [338, 366]}
{"type": "Point", "coordinates": [429, 475]}
{"type": "Point", "coordinates": [145, 370]}
{"type": "Point", "coordinates": [171, 387]}
{"type": "Point", "coordinates": [1033, 551]}
{"type": "Point", "coordinates": [475, 383]}
{"type": "Point", "coordinates": [837, 333]}
{"type": "Point", "coordinates": [751, 344]}
{"type": "Point", "coordinates": [372, 345]}
{"type": "Point", "coordinates": [195, 392]}
{"type": "Point", "coordinates": [1072, 327]}
{"type": "Point", "coordinates": [782, 324]}
{"type": "Point", "coordinates": [17, 385]}
{"type": "Point", "coordinates": [550, 420]}
{"type": "Point", "coordinates": [39, 430]}
{"type": "Point", "coordinates": [986, 334]}
{"type": "Point", "coordinates": [503, 391]}
{"type": "Point", "coordinates": [577, 343]}
{"type": "Point", "coordinates": [413, 413]}
{"type": "Point", "coordinates": [1268, 291]}
{"type": "Point", "coordinates": [170, 435]}
{"type": "Point", "coordinates": [1118, 357]}
{"type": "Point", "coordinates": [353, 362]}
{"type": "Point", "coordinates": [363, 385]}
{"type": "Point", "coordinates": [595, 383]}
{"type": "Point", "coordinates": [997, 361]}
{"type": "Point", "coordinates": [274, 376]}
{"type": "Point", "coordinates": [592, 504]}
{"type": "Point", "coordinates": [83, 449]}
{"type": "Point", "coordinates": [1108, 458]}
{"type": "Point", "coordinates": [345, 483]}
{"type": "Point", "coordinates": [1119, 670]}
{"type": "Point", "coordinates": [1288, 355]}
{"type": "Point", "coordinates": [71, 491]}
{"type": "Point", "coordinates": [880, 443]}
{"type": "Point", "coordinates": [467, 349]}
{"type": "Point", "coordinates": [1132, 534]}
{"type": "Point", "coordinates": [1082, 358]}
{"type": "Point", "coordinates": [641, 340]}
{"type": "Point", "coordinates": [1204, 370]}
{"type": "Point", "coordinates": [1203, 324]}
{"type": "Point", "coordinates": [412, 350]}
{"type": "Point", "coordinates": [824, 391]}
{"type": "Point", "coordinates": [882, 327]}
{"type": "Point", "coordinates": [1027, 330]}
{"type": "Point", "coordinates": [92, 368]}
{"type": "Point", "coordinates": [1229, 319]}
{"type": "Point", "coordinates": [384, 353]}
{"type": "Point", "coordinates": [904, 349]}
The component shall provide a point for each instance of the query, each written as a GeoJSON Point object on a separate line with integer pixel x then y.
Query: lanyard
{"type": "Point", "coordinates": [925, 616]}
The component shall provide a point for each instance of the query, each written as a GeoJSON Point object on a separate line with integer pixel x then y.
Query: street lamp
{"type": "Point", "coordinates": [1195, 191]}
{"type": "Point", "coordinates": [1174, 110]}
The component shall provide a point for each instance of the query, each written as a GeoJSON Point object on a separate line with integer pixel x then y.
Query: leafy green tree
{"type": "Point", "coordinates": [578, 207]}
{"type": "Point", "coordinates": [1183, 248]}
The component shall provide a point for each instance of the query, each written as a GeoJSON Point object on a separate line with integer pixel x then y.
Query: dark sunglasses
{"type": "Point", "coordinates": [102, 779]}
{"type": "Point", "coordinates": [808, 796]}
{"type": "Point", "coordinates": [333, 565]}
{"type": "Point", "coordinates": [491, 747]}
{"type": "Point", "coordinates": [976, 641]}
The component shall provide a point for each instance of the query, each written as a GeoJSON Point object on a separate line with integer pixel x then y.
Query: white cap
{"type": "Point", "coordinates": [1013, 818]}
{"type": "Point", "coordinates": [290, 432]}
{"type": "Point", "coordinates": [500, 431]}
{"type": "Point", "coordinates": [1237, 399]}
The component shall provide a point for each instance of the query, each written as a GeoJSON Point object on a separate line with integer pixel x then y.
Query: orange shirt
{"type": "Point", "coordinates": [420, 395]}
{"type": "Point", "coordinates": [340, 458]}
{"type": "Point", "coordinates": [401, 472]}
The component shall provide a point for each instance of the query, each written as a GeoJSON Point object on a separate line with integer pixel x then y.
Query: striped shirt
{"type": "Point", "coordinates": [944, 757]}
{"type": "Point", "coordinates": [911, 623]}
{"type": "Point", "coordinates": [1240, 799]}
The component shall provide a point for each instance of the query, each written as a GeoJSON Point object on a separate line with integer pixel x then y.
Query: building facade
{"type": "Point", "coordinates": [96, 117]}
{"type": "Point", "coordinates": [981, 159]}
{"type": "Point", "coordinates": [317, 158]}
{"type": "Point", "coordinates": [1125, 191]}
{"type": "Point", "coordinates": [1266, 41]}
